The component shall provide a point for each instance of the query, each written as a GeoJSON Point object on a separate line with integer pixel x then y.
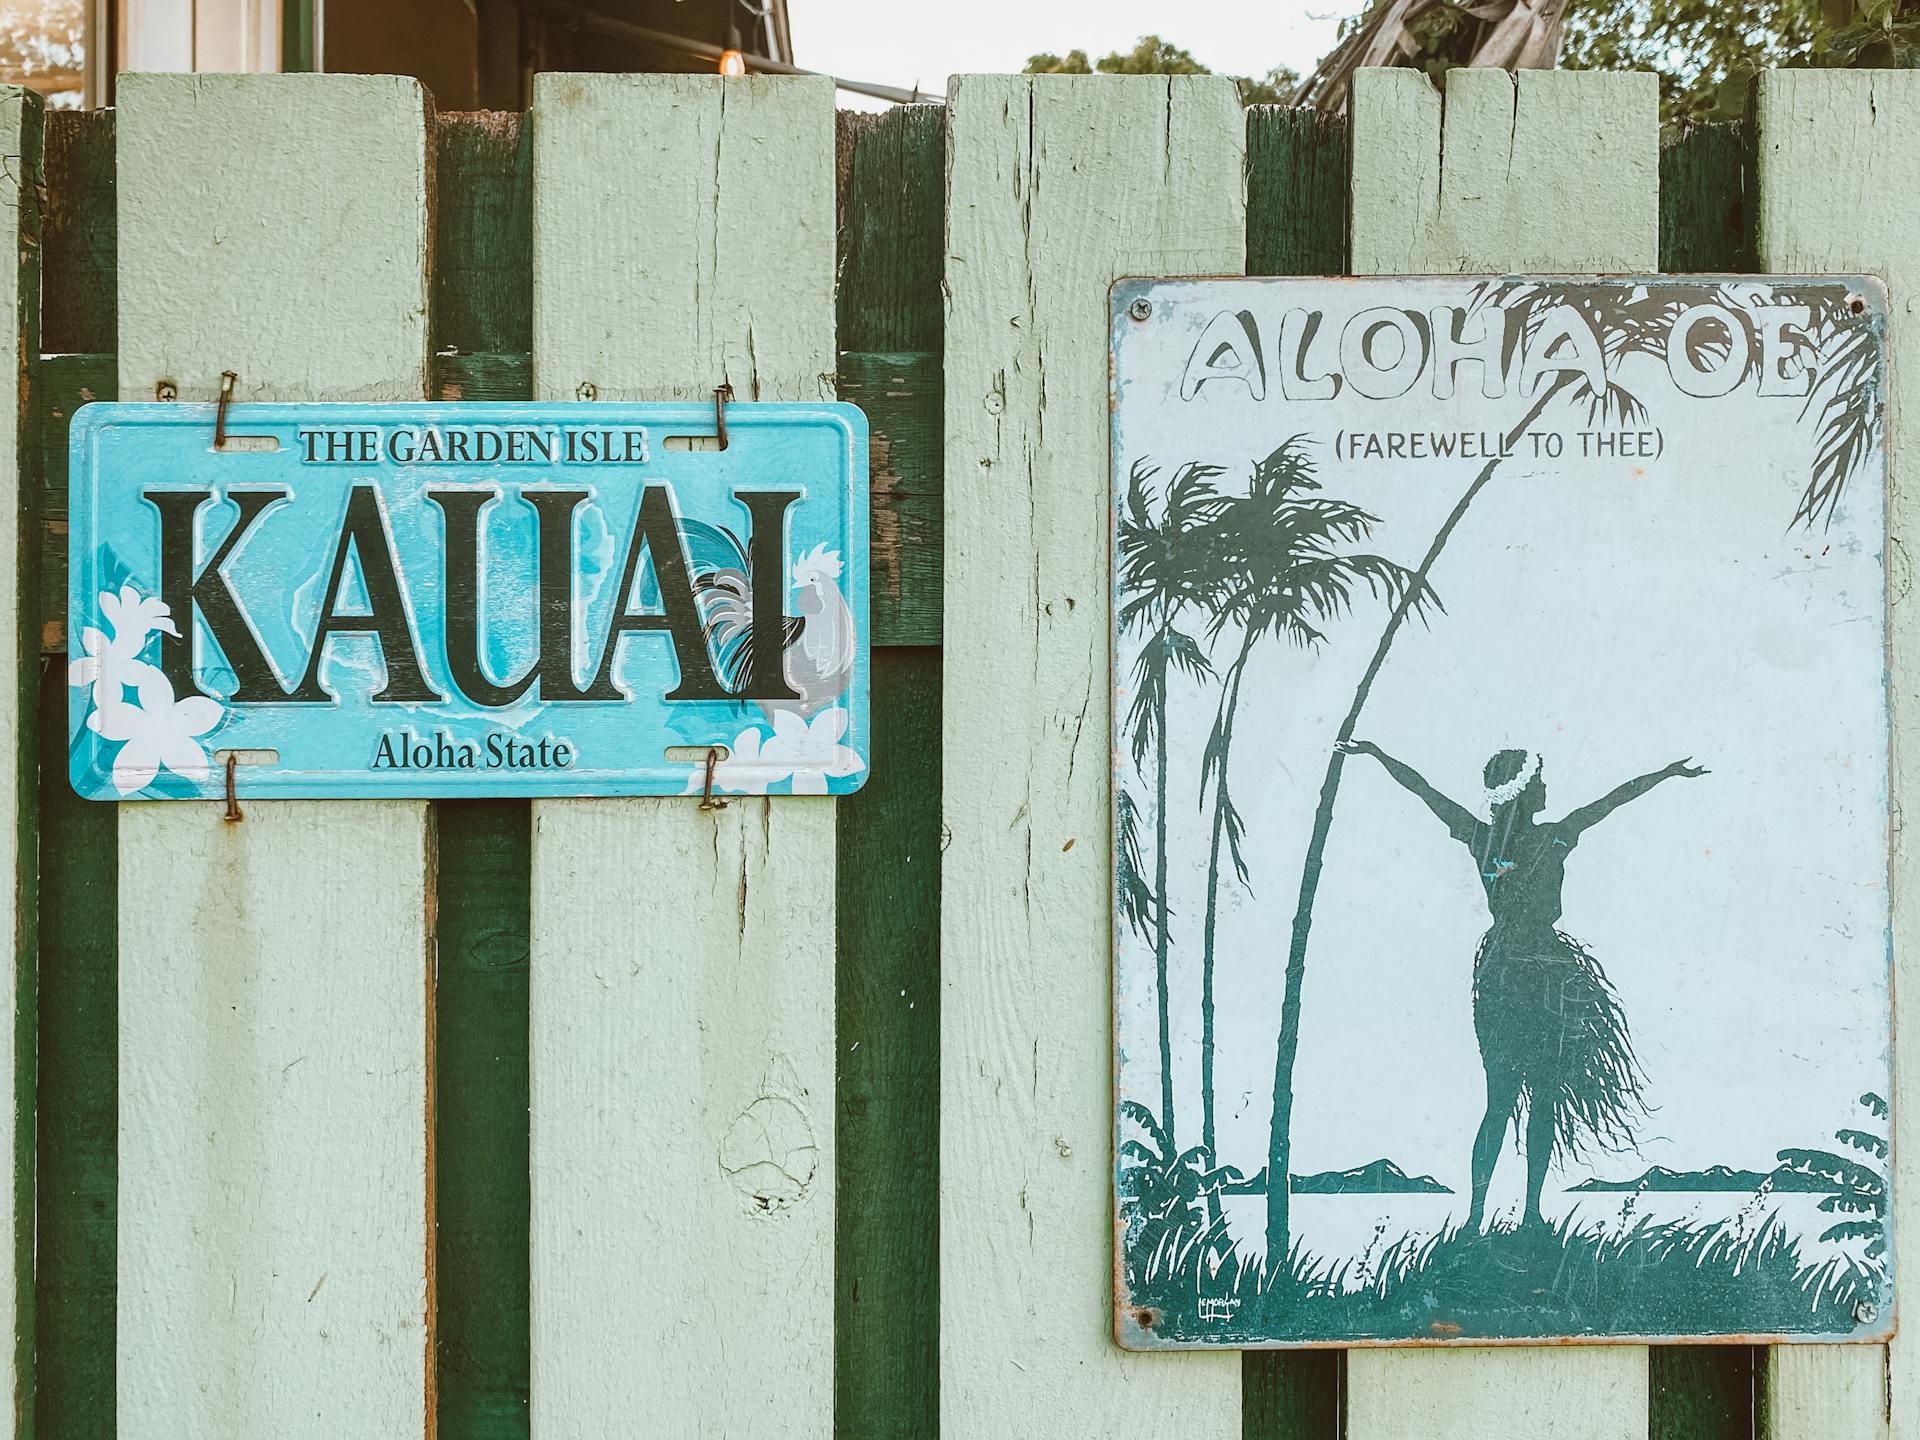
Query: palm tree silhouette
{"type": "Point", "coordinates": [1158, 571]}
{"type": "Point", "coordinates": [1629, 320]}
{"type": "Point", "coordinates": [1277, 574]}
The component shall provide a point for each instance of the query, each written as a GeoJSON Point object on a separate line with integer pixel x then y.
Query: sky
{"type": "Point", "coordinates": [913, 42]}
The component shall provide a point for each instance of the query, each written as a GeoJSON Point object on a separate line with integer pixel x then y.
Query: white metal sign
{"type": "Point", "coordinates": [1501, 810]}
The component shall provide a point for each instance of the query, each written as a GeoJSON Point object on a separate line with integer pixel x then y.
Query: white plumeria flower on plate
{"type": "Point", "coordinates": [158, 731]}
{"type": "Point", "coordinates": [134, 617]}
{"type": "Point", "coordinates": [743, 772]}
{"type": "Point", "coordinates": [812, 751]}
{"type": "Point", "coordinates": [109, 665]}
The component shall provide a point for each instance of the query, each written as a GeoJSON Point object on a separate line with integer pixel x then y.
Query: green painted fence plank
{"type": "Point", "coordinates": [483, 376]}
{"type": "Point", "coordinates": [22, 191]}
{"type": "Point", "coordinates": [78, 1059]}
{"type": "Point", "coordinates": [887, 1011]}
{"type": "Point", "coordinates": [482, 326]}
{"type": "Point", "coordinates": [1703, 1392]}
{"type": "Point", "coordinates": [1703, 222]}
{"type": "Point", "coordinates": [892, 223]}
{"type": "Point", "coordinates": [887, 1259]}
{"type": "Point", "coordinates": [483, 234]}
{"type": "Point", "coordinates": [1296, 225]}
{"type": "Point", "coordinates": [61, 385]}
{"type": "Point", "coordinates": [902, 395]}
{"type": "Point", "coordinates": [79, 1119]}
{"type": "Point", "coordinates": [481, 1192]}
{"type": "Point", "coordinates": [81, 250]}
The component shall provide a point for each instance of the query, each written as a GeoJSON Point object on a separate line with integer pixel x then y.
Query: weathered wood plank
{"type": "Point", "coordinates": [1297, 163]}
{"type": "Point", "coordinates": [20, 190]}
{"type": "Point", "coordinates": [78, 1048]}
{"type": "Point", "coordinates": [275, 990]}
{"type": "Point", "coordinates": [902, 395]}
{"type": "Point", "coordinates": [482, 234]}
{"type": "Point", "coordinates": [1703, 199]}
{"type": "Point", "coordinates": [892, 221]}
{"type": "Point", "coordinates": [1549, 171]}
{"type": "Point", "coordinates": [891, 205]}
{"type": "Point", "coordinates": [1556, 173]}
{"type": "Point", "coordinates": [683, 235]}
{"type": "Point", "coordinates": [78, 1058]}
{"type": "Point", "coordinates": [78, 302]}
{"type": "Point", "coordinates": [887, 1254]}
{"type": "Point", "coordinates": [1056, 187]}
{"type": "Point", "coordinates": [481, 1194]}
{"type": "Point", "coordinates": [1837, 188]}
{"type": "Point", "coordinates": [61, 385]}
{"type": "Point", "coordinates": [1702, 1392]}
{"type": "Point", "coordinates": [1568, 1394]}
{"type": "Point", "coordinates": [482, 306]}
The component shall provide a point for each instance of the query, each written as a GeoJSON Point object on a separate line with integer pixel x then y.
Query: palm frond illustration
{"type": "Point", "coordinates": [1160, 580]}
{"type": "Point", "coordinates": [1277, 571]}
{"type": "Point", "coordinates": [1627, 322]}
{"type": "Point", "coordinates": [1132, 893]}
{"type": "Point", "coordinates": [1161, 1187]}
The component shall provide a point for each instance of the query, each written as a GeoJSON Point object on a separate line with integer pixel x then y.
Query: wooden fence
{"type": "Point", "coordinates": [396, 1119]}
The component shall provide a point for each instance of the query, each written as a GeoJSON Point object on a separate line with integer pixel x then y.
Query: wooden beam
{"type": "Point", "coordinates": [1553, 172]}
{"type": "Point", "coordinates": [682, 991]}
{"type": "Point", "coordinates": [1837, 186]}
{"type": "Point", "coordinates": [20, 189]}
{"type": "Point", "coordinates": [275, 983]}
{"type": "Point", "coordinates": [1056, 187]}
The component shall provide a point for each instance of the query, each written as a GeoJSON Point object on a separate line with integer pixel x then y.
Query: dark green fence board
{"type": "Point", "coordinates": [1703, 1392]}
{"type": "Point", "coordinates": [1297, 167]}
{"type": "Point", "coordinates": [1296, 225]}
{"type": "Point", "coordinates": [80, 286]}
{"type": "Point", "coordinates": [27, 164]}
{"type": "Point", "coordinates": [483, 376]}
{"type": "Point", "coordinates": [887, 987]}
{"type": "Point", "coordinates": [76, 1041]}
{"type": "Point", "coordinates": [482, 324]}
{"type": "Point", "coordinates": [483, 234]}
{"type": "Point", "coordinates": [901, 395]}
{"type": "Point", "coordinates": [892, 244]}
{"type": "Point", "coordinates": [1703, 220]}
{"type": "Point", "coordinates": [79, 1112]}
{"type": "Point", "coordinates": [480, 1145]}
{"type": "Point", "coordinates": [62, 384]}
{"type": "Point", "coordinates": [78, 314]}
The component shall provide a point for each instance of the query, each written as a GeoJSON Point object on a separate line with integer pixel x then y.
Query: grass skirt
{"type": "Point", "coordinates": [1551, 1026]}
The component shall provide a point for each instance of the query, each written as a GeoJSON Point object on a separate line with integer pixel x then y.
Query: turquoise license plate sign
{"type": "Point", "coordinates": [431, 600]}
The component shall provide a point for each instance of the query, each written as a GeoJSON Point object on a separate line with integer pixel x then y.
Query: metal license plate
{"type": "Point", "coordinates": [434, 600]}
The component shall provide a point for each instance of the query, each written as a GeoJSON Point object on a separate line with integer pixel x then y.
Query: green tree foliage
{"type": "Point", "coordinates": [1704, 51]}
{"type": "Point", "coordinates": [1153, 56]}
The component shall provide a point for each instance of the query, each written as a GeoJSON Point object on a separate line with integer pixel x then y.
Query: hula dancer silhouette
{"type": "Point", "coordinates": [1553, 1037]}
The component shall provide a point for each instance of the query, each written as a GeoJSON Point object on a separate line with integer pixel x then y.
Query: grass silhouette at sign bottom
{"type": "Point", "coordinates": [1653, 1279]}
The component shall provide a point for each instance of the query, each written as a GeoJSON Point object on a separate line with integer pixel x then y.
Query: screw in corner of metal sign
{"type": "Point", "coordinates": [1865, 1312]}
{"type": "Point", "coordinates": [1141, 308]}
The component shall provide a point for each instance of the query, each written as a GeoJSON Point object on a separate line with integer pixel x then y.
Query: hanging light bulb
{"type": "Point", "coordinates": [732, 60]}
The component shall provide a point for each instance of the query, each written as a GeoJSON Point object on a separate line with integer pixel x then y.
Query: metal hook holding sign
{"type": "Point", "coordinates": [722, 397]}
{"type": "Point", "coordinates": [233, 814]}
{"type": "Point", "coordinates": [227, 381]}
{"type": "Point", "coordinates": [708, 800]}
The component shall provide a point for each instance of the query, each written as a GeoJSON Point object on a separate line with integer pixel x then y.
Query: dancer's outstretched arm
{"type": "Point", "coordinates": [1455, 817]}
{"type": "Point", "coordinates": [1592, 814]}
